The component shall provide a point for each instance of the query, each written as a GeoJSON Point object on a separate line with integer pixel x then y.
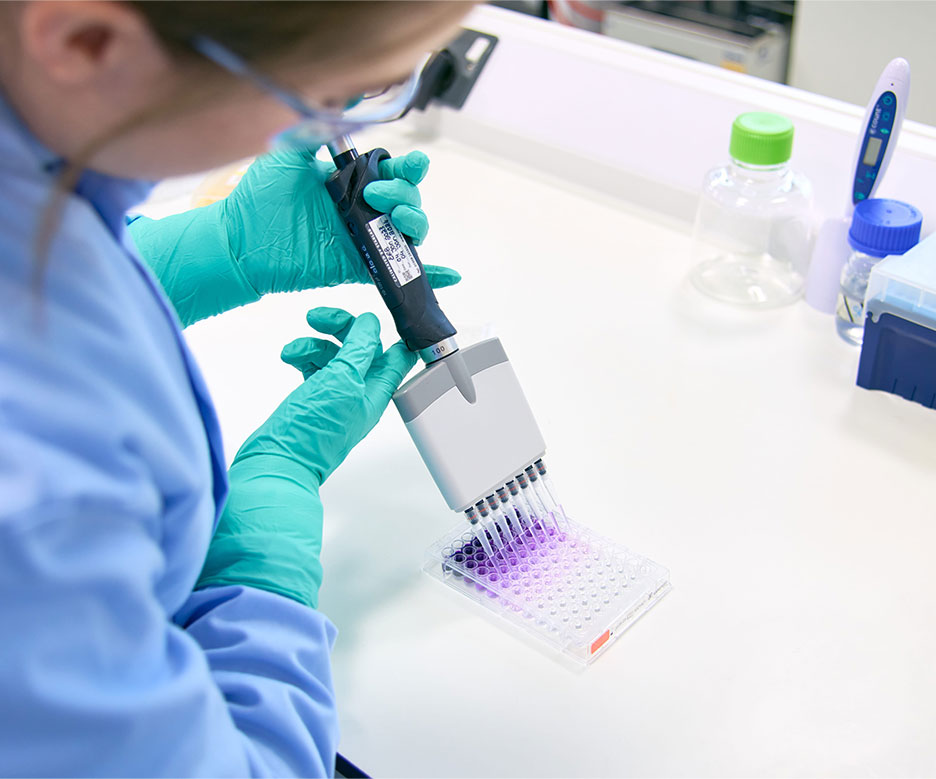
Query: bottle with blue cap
{"type": "Point", "coordinates": [879, 228]}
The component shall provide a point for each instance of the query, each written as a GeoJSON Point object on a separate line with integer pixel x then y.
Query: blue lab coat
{"type": "Point", "coordinates": [112, 478]}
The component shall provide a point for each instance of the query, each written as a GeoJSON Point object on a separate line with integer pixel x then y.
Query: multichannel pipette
{"type": "Point", "coordinates": [520, 555]}
{"type": "Point", "coordinates": [465, 397]}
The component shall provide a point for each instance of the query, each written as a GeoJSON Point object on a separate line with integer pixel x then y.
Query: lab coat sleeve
{"type": "Point", "coordinates": [109, 665]}
{"type": "Point", "coordinates": [97, 681]}
{"type": "Point", "coordinates": [269, 656]}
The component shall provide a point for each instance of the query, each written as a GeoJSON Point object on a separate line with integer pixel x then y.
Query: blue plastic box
{"type": "Point", "coordinates": [898, 354]}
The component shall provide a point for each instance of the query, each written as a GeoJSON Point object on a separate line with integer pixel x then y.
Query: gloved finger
{"type": "Point", "coordinates": [439, 276]}
{"type": "Point", "coordinates": [388, 371]}
{"type": "Point", "coordinates": [410, 221]}
{"type": "Point", "coordinates": [331, 321]}
{"type": "Point", "coordinates": [309, 355]}
{"type": "Point", "coordinates": [412, 167]}
{"type": "Point", "coordinates": [386, 195]}
{"type": "Point", "coordinates": [361, 346]}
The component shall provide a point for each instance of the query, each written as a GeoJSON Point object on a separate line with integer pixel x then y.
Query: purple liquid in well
{"type": "Point", "coordinates": [533, 566]}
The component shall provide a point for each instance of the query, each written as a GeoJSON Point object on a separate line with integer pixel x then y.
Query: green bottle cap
{"type": "Point", "coordinates": [759, 138]}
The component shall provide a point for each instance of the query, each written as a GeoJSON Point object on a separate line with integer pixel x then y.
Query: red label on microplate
{"type": "Point", "coordinates": [600, 641]}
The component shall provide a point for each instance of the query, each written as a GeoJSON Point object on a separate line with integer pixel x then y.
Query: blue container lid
{"type": "Point", "coordinates": [881, 227]}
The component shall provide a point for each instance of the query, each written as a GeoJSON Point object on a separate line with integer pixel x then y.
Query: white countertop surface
{"type": "Point", "coordinates": [733, 447]}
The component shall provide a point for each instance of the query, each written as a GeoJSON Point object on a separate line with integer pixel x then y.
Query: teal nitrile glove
{"type": "Point", "coordinates": [270, 533]}
{"type": "Point", "coordinates": [398, 196]}
{"type": "Point", "coordinates": [278, 231]}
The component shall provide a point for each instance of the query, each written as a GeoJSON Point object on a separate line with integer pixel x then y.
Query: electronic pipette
{"type": "Point", "coordinates": [465, 398]}
{"type": "Point", "coordinates": [393, 263]}
{"type": "Point", "coordinates": [876, 143]}
{"type": "Point", "coordinates": [466, 412]}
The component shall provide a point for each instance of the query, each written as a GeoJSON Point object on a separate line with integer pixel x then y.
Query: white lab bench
{"type": "Point", "coordinates": [793, 509]}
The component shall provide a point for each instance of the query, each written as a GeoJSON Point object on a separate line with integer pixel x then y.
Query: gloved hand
{"type": "Point", "coordinates": [270, 533]}
{"type": "Point", "coordinates": [278, 231]}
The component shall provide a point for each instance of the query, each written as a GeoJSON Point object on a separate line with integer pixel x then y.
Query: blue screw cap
{"type": "Point", "coordinates": [881, 227]}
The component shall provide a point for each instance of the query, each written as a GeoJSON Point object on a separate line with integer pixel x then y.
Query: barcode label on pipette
{"type": "Point", "coordinates": [394, 250]}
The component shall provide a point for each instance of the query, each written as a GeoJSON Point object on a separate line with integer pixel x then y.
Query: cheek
{"type": "Point", "coordinates": [250, 124]}
{"type": "Point", "coordinates": [206, 140]}
{"type": "Point", "coordinates": [222, 135]}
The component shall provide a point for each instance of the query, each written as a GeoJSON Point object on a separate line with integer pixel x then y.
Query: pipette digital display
{"type": "Point", "coordinates": [882, 120]}
{"type": "Point", "coordinates": [876, 141]}
{"type": "Point", "coordinates": [874, 146]}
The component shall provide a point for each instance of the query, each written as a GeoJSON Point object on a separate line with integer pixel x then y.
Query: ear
{"type": "Point", "coordinates": [79, 41]}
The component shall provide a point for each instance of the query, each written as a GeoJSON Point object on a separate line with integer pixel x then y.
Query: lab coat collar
{"type": "Point", "coordinates": [110, 196]}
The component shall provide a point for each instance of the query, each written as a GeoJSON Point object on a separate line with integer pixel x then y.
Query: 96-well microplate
{"type": "Point", "coordinates": [567, 586]}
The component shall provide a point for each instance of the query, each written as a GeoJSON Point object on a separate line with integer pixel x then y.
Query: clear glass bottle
{"type": "Point", "coordinates": [879, 228]}
{"type": "Point", "coordinates": [753, 227]}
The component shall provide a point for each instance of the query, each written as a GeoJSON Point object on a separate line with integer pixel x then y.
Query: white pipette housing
{"type": "Point", "coordinates": [471, 447]}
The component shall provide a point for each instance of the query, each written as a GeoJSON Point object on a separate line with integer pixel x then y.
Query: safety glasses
{"type": "Point", "coordinates": [318, 125]}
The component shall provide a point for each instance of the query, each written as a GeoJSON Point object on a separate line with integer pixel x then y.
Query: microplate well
{"type": "Point", "coordinates": [566, 585]}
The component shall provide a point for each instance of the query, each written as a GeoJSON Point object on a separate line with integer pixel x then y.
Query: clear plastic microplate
{"type": "Point", "coordinates": [567, 586]}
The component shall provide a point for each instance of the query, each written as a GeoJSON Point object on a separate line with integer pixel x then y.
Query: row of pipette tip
{"type": "Point", "coordinates": [524, 507]}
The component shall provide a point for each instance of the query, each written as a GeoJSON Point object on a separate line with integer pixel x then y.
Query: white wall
{"type": "Point", "coordinates": [645, 126]}
{"type": "Point", "coordinates": [840, 47]}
